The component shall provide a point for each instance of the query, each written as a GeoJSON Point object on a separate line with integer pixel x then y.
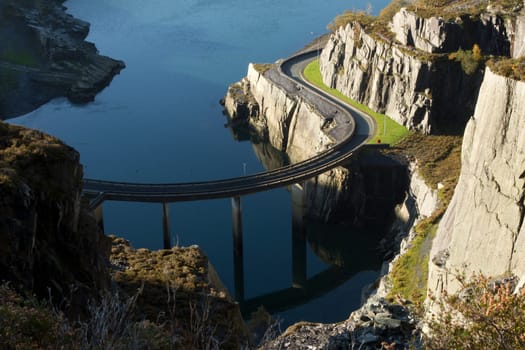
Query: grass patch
{"type": "Point", "coordinates": [262, 67]}
{"type": "Point", "coordinates": [438, 158]}
{"type": "Point", "coordinates": [394, 131]}
{"type": "Point", "coordinates": [409, 274]}
{"type": "Point", "coordinates": [19, 57]}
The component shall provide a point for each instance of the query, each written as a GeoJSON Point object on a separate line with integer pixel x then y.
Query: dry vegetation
{"type": "Point", "coordinates": [451, 9]}
{"type": "Point", "coordinates": [438, 158]}
{"type": "Point", "coordinates": [485, 314]}
{"type": "Point", "coordinates": [513, 68]}
{"type": "Point", "coordinates": [162, 300]}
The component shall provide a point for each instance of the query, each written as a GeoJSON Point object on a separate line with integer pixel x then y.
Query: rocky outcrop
{"type": "Point", "coordinates": [178, 287]}
{"type": "Point", "coordinates": [437, 35]}
{"type": "Point", "coordinates": [43, 55]}
{"type": "Point", "coordinates": [276, 113]}
{"type": "Point", "coordinates": [482, 229]}
{"type": "Point", "coordinates": [376, 325]}
{"type": "Point", "coordinates": [279, 113]}
{"type": "Point", "coordinates": [422, 92]}
{"type": "Point", "coordinates": [49, 243]}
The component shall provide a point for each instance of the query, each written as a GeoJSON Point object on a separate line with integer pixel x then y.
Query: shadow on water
{"type": "Point", "coordinates": [347, 248]}
{"type": "Point", "coordinates": [346, 251]}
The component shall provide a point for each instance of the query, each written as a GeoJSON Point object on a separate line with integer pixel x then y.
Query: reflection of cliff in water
{"type": "Point", "coordinates": [345, 246]}
{"type": "Point", "coordinates": [342, 215]}
{"type": "Point", "coordinates": [269, 156]}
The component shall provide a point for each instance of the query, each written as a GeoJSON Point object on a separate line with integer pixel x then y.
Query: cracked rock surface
{"type": "Point", "coordinates": [482, 230]}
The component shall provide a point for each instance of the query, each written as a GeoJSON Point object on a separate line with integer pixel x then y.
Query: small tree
{"type": "Point", "coordinates": [469, 59]}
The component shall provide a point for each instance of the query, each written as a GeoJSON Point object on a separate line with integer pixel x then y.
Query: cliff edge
{"type": "Point", "coordinates": [50, 243]}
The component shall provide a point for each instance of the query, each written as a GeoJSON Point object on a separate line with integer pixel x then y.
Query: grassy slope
{"type": "Point", "coordinates": [439, 162]}
{"type": "Point", "coordinates": [394, 131]}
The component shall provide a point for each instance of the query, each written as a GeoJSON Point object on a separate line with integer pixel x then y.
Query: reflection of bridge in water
{"type": "Point", "coordinates": [304, 289]}
{"type": "Point", "coordinates": [351, 129]}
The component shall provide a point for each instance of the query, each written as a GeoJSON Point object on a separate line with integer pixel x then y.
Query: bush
{"type": "Point", "coordinates": [484, 314]}
{"type": "Point", "coordinates": [343, 19]}
{"type": "Point", "coordinates": [513, 68]}
{"type": "Point", "coordinates": [470, 59]}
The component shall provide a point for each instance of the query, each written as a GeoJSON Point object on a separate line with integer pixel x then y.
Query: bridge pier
{"type": "Point", "coordinates": [166, 226]}
{"type": "Point", "coordinates": [99, 217]}
{"type": "Point", "coordinates": [238, 255]}
{"type": "Point", "coordinates": [298, 236]}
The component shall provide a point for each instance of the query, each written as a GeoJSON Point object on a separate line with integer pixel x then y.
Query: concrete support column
{"type": "Point", "coordinates": [166, 226]}
{"type": "Point", "coordinates": [238, 256]}
{"type": "Point", "coordinates": [99, 217]}
{"type": "Point", "coordinates": [298, 236]}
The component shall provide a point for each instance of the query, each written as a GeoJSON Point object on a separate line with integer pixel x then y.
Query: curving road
{"type": "Point", "coordinates": [352, 129]}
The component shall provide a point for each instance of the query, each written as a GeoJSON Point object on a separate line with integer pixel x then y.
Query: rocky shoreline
{"type": "Point", "coordinates": [44, 55]}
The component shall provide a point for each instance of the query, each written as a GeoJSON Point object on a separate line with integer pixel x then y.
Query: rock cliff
{"type": "Point", "coordinates": [50, 244]}
{"type": "Point", "coordinates": [278, 113]}
{"type": "Point", "coordinates": [482, 229]}
{"type": "Point", "coordinates": [43, 55]}
{"type": "Point", "coordinates": [422, 91]}
{"type": "Point", "coordinates": [518, 35]}
{"type": "Point", "coordinates": [292, 125]}
{"type": "Point", "coordinates": [437, 35]}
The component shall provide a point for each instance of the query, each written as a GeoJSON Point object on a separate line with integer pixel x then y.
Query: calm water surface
{"type": "Point", "coordinates": [160, 121]}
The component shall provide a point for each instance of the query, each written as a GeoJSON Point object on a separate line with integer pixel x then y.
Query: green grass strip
{"type": "Point", "coordinates": [394, 131]}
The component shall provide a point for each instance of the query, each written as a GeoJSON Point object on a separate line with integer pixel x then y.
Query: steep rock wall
{"type": "Point", "coordinates": [396, 80]}
{"type": "Point", "coordinates": [518, 35]}
{"type": "Point", "coordinates": [48, 241]}
{"type": "Point", "coordinates": [291, 125]}
{"type": "Point", "coordinates": [482, 229]}
{"type": "Point", "coordinates": [436, 35]}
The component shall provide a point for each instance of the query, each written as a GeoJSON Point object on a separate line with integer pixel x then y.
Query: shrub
{"type": "Point", "coordinates": [513, 68]}
{"type": "Point", "coordinates": [470, 59]}
{"type": "Point", "coordinates": [26, 323]}
{"type": "Point", "coordinates": [484, 314]}
{"type": "Point", "coordinates": [343, 19]}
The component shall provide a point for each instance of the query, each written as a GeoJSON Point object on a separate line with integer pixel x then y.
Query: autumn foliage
{"type": "Point", "coordinates": [485, 314]}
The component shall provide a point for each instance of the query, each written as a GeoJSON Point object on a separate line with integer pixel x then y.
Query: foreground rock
{"type": "Point", "coordinates": [376, 325]}
{"type": "Point", "coordinates": [49, 243]}
{"type": "Point", "coordinates": [43, 55]}
{"type": "Point", "coordinates": [179, 288]}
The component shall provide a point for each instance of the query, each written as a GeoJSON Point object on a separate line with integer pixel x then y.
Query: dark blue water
{"type": "Point", "coordinates": [160, 121]}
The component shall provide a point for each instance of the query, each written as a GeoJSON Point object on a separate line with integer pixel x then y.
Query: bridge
{"type": "Point", "coordinates": [352, 129]}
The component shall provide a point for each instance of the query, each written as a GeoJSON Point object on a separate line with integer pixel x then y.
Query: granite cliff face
{"type": "Point", "coordinates": [291, 125]}
{"type": "Point", "coordinates": [49, 241]}
{"type": "Point", "coordinates": [437, 35]}
{"type": "Point", "coordinates": [422, 92]}
{"type": "Point", "coordinates": [518, 36]}
{"type": "Point", "coordinates": [482, 229]}
{"type": "Point", "coordinates": [43, 55]}
{"type": "Point", "coordinates": [276, 113]}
